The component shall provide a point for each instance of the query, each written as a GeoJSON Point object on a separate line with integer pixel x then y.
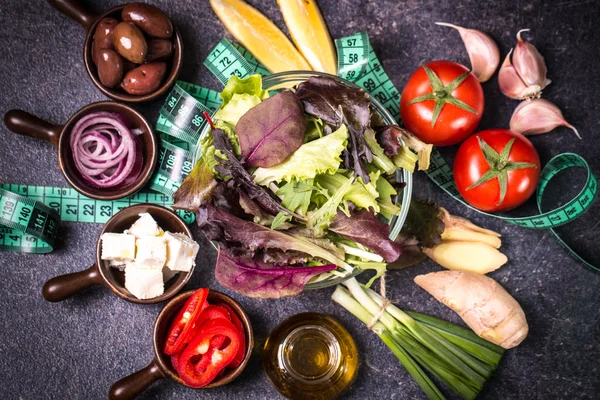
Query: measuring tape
{"type": "Point", "coordinates": [26, 224]}
{"type": "Point", "coordinates": [29, 215]}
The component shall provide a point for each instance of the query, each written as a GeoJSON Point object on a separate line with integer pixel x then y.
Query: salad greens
{"type": "Point", "coordinates": [271, 131]}
{"type": "Point", "coordinates": [291, 186]}
{"type": "Point", "coordinates": [337, 104]}
{"type": "Point", "coordinates": [308, 161]}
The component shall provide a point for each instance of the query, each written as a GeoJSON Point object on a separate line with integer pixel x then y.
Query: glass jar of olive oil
{"type": "Point", "coordinates": [311, 356]}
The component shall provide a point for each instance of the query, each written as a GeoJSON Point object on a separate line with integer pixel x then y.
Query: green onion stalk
{"type": "Point", "coordinates": [455, 355]}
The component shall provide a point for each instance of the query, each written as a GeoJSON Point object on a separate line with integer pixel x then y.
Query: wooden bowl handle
{"type": "Point", "coordinates": [133, 385]}
{"type": "Point", "coordinates": [75, 10]}
{"type": "Point", "coordinates": [63, 286]}
{"type": "Point", "coordinates": [26, 124]}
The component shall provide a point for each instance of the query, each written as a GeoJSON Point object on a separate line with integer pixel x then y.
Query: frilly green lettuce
{"type": "Point", "coordinates": [317, 157]}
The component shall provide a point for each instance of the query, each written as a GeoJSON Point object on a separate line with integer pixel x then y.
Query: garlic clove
{"type": "Point", "coordinates": [533, 117]}
{"type": "Point", "coordinates": [529, 63]}
{"type": "Point", "coordinates": [483, 51]}
{"type": "Point", "coordinates": [511, 84]}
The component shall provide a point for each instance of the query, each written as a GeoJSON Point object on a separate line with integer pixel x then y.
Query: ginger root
{"type": "Point", "coordinates": [481, 302]}
{"type": "Point", "coordinates": [478, 257]}
{"type": "Point", "coordinates": [466, 246]}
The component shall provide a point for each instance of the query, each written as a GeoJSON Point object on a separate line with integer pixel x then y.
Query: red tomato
{"type": "Point", "coordinates": [521, 170]}
{"type": "Point", "coordinates": [453, 124]}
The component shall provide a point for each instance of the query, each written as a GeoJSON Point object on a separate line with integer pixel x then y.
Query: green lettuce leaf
{"type": "Point", "coordinates": [360, 194]}
{"type": "Point", "coordinates": [312, 158]}
{"type": "Point", "coordinates": [379, 157]}
{"type": "Point", "coordinates": [295, 195]}
{"type": "Point", "coordinates": [251, 85]}
{"type": "Point", "coordinates": [386, 193]}
{"type": "Point", "coordinates": [236, 107]}
{"type": "Point", "coordinates": [320, 219]}
{"type": "Point", "coordinates": [314, 128]}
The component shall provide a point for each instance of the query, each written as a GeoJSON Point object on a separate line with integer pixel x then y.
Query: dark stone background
{"type": "Point", "coordinates": [76, 349]}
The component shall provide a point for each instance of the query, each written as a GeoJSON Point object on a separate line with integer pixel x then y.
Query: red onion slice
{"type": "Point", "coordinates": [105, 150]}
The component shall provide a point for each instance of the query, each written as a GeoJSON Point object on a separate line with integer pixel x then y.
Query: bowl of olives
{"type": "Point", "coordinates": [132, 52]}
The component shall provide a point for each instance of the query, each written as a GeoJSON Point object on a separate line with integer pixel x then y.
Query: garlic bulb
{"type": "Point", "coordinates": [533, 117]}
{"type": "Point", "coordinates": [525, 76]}
{"type": "Point", "coordinates": [483, 51]}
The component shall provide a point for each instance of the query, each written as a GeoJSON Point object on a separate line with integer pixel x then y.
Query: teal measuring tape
{"type": "Point", "coordinates": [180, 123]}
{"type": "Point", "coordinates": [358, 63]}
{"type": "Point", "coordinates": [26, 225]}
{"type": "Point", "coordinates": [29, 215]}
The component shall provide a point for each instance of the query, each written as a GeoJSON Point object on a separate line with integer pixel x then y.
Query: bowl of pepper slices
{"type": "Point", "coordinates": [202, 339]}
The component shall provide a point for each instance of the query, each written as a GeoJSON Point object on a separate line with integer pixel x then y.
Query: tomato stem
{"type": "Point", "coordinates": [442, 94]}
{"type": "Point", "coordinates": [499, 166]}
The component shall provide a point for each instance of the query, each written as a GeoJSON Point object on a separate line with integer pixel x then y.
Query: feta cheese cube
{"type": "Point", "coordinates": [181, 251]}
{"type": "Point", "coordinates": [144, 226]}
{"type": "Point", "coordinates": [151, 252]}
{"type": "Point", "coordinates": [118, 246]}
{"type": "Point", "coordinates": [144, 283]}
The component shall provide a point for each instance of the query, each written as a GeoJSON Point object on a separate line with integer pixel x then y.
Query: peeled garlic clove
{"type": "Point", "coordinates": [529, 63]}
{"type": "Point", "coordinates": [483, 51]}
{"type": "Point", "coordinates": [533, 117]}
{"type": "Point", "coordinates": [511, 84]}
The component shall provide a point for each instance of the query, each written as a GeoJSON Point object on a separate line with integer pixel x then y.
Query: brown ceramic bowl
{"type": "Point", "coordinates": [161, 367]}
{"type": "Point", "coordinates": [29, 125]}
{"type": "Point", "coordinates": [61, 287]}
{"type": "Point", "coordinates": [78, 12]}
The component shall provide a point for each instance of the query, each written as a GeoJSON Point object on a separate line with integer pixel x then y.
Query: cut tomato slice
{"type": "Point", "coordinates": [184, 325]}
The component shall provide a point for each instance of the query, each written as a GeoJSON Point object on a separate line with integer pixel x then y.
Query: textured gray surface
{"type": "Point", "coordinates": [76, 349]}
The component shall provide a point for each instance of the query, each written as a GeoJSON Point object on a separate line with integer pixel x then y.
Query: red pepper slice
{"type": "Point", "coordinates": [216, 342]}
{"type": "Point", "coordinates": [184, 325]}
{"type": "Point", "coordinates": [200, 363]}
{"type": "Point", "coordinates": [239, 357]}
{"type": "Point", "coordinates": [212, 312]}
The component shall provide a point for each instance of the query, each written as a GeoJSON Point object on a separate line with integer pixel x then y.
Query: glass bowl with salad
{"type": "Point", "coordinates": [301, 181]}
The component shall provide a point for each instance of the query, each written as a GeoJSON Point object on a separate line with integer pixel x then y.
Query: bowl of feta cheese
{"type": "Point", "coordinates": [145, 254]}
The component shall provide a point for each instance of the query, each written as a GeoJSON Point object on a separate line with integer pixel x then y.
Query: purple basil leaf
{"type": "Point", "coordinates": [271, 131]}
{"type": "Point", "coordinates": [336, 104]}
{"type": "Point", "coordinates": [363, 227]}
{"type": "Point", "coordinates": [253, 278]}
{"type": "Point", "coordinates": [231, 166]}
{"type": "Point", "coordinates": [388, 137]}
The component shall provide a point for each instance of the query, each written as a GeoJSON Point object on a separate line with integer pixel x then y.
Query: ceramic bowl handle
{"type": "Point", "coordinates": [23, 123]}
{"type": "Point", "coordinates": [61, 287]}
{"type": "Point", "coordinates": [133, 385]}
{"type": "Point", "coordinates": [75, 10]}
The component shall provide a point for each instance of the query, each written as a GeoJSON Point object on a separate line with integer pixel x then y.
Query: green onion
{"type": "Point", "coordinates": [455, 355]}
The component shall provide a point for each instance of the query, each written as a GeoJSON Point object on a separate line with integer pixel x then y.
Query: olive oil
{"type": "Point", "coordinates": [311, 356]}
